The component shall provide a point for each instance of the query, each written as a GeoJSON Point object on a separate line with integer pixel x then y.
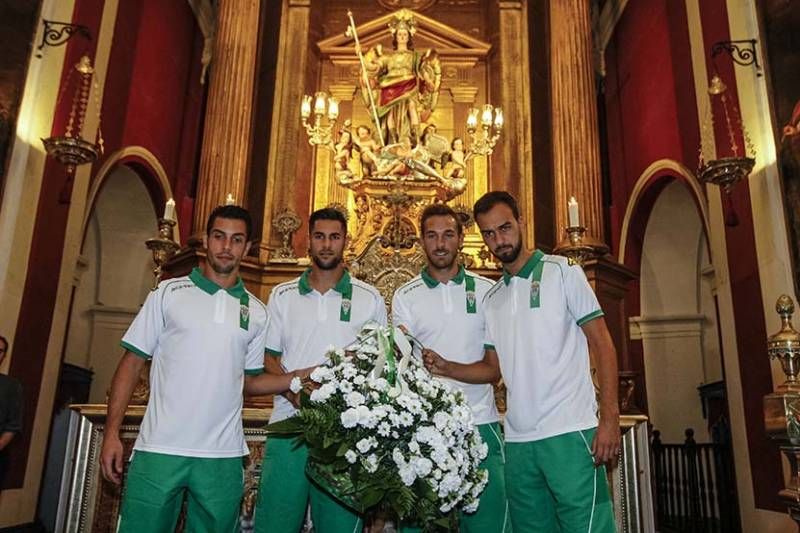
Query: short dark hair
{"type": "Point", "coordinates": [326, 213]}
{"type": "Point", "coordinates": [435, 210]}
{"type": "Point", "coordinates": [493, 198]}
{"type": "Point", "coordinates": [365, 127]}
{"type": "Point", "coordinates": [234, 212]}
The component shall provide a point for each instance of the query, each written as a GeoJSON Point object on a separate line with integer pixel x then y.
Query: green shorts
{"type": "Point", "coordinates": [553, 486]}
{"type": "Point", "coordinates": [156, 484]}
{"type": "Point", "coordinates": [285, 491]}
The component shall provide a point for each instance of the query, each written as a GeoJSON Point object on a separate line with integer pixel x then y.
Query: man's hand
{"type": "Point", "coordinates": [293, 398]}
{"type": "Point", "coordinates": [605, 446]}
{"type": "Point", "coordinates": [111, 458]}
{"type": "Point", "coordinates": [435, 363]}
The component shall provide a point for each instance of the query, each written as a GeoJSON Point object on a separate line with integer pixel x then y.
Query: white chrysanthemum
{"type": "Point", "coordinates": [422, 466]}
{"type": "Point", "coordinates": [320, 374]}
{"type": "Point", "coordinates": [354, 399]}
{"type": "Point", "coordinates": [349, 418]}
{"type": "Point", "coordinates": [407, 474]}
{"type": "Point", "coordinates": [365, 445]}
{"type": "Point", "coordinates": [351, 456]}
{"type": "Point", "coordinates": [370, 463]}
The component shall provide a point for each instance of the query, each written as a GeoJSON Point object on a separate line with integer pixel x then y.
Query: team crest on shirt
{"type": "Point", "coordinates": [535, 293]}
{"type": "Point", "coordinates": [346, 304]}
{"type": "Point", "coordinates": [471, 299]}
{"type": "Point", "coordinates": [244, 312]}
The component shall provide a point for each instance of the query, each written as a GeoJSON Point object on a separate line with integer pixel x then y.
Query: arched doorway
{"type": "Point", "coordinates": [112, 279]}
{"type": "Point", "coordinates": [678, 319]}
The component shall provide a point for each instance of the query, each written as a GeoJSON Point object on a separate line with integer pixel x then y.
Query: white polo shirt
{"type": "Point", "coordinates": [449, 319]}
{"type": "Point", "coordinates": [202, 340]}
{"type": "Point", "coordinates": [534, 322]}
{"type": "Point", "coordinates": [303, 323]}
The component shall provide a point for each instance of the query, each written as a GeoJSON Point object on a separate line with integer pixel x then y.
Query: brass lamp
{"type": "Point", "coordinates": [71, 149]}
{"type": "Point", "coordinates": [321, 105]}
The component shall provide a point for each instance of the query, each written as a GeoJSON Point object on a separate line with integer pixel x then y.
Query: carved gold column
{"type": "Point", "coordinates": [512, 166]}
{"type": "Point", "coordinates": [290, 164]}
{"type": "Point", "coordinates": [227, 134]}
{"type": "Point", "coordinates": [576, 146]}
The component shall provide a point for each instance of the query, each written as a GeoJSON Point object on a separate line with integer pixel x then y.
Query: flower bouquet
{"type": "Point", "coordinates": [384, 435]}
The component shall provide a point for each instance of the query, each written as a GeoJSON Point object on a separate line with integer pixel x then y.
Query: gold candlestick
{"type": "Point", "coordinates": [163, 247]}
{"type": "Point", "coordinates": [579, 247]}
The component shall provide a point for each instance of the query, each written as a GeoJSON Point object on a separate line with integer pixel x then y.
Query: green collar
{"type": "Point", "coordinates": [431, 282]}
{"type": "Point", "coordinates": [202, 282]}
{"type": "Point", "coordinates": [343, 286]}
{"type": "Point", "coordinates": [527, 268]}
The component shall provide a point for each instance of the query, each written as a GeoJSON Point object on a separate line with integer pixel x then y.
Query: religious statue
{"type": "Point", "coordinates": [402, 85]}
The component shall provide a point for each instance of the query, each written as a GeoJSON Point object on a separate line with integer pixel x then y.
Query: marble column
{"type": "Point", "coordinates": [225, 155]}
{"type": "Point", "coordinates": [576, 144]}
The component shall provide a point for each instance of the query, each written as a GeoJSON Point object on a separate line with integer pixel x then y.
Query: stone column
{"type": "Point", "coordinates": [576, 145]}
{"type": "Point", "coordinates": [225, 154]}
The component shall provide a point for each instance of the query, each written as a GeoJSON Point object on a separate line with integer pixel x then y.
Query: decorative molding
{"type": "Point", "coordinates": [680, 326]}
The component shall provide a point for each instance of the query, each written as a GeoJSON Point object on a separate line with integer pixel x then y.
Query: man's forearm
{"type": "Point", "coordinates": [478, 372]}
{"type": "Point", "coordinates": [606, 359]}
{"type": "Point", "coordinates": [5, 438]}
{"type": "Point", "coordinates": [122, 385]}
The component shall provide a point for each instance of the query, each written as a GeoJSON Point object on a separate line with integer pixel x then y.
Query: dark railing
{"type": "Point", "coordinates": [695, 487]}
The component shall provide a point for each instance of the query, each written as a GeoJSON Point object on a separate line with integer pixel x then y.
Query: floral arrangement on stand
{"type": "Point", "coordinates": [386, 436]}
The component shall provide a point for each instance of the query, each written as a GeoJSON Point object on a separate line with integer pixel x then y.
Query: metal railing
{"type": "Point", "coordinates": [695, 488]}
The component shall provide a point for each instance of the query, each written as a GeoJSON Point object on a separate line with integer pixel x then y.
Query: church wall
{"type": "Point", "coordinates": [150, 87]}
{"type": "Point", "coordinates": [654, 61]}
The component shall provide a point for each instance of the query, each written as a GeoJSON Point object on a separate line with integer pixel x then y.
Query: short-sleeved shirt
{"type": "Point", "coordinates": [304, 323]}
{"type": "Point", "coordinates": [202, 340]}
{"type": "Point", "coordinates": [448, 318]}
{"type": "Point", "coordinates": [10, 405]}
{"type": "Point", "coordinates": [534, 322]}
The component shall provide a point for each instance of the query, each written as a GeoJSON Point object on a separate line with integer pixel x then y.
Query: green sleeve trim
{"type": "Point", "coordinates": [489, 347]}
{"type": "Point", "coordinates": [273, 353]}
{"type": "Point", "coordinates": [590, 316]}
{"type": "Point", "coordinates": [135, 351]}
{"type": "Point", "coordinates": [253, 371]}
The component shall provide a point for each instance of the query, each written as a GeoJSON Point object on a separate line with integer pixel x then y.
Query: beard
{"type": "Point", "coordinates": [220, 268]}
{"type": "Point", "coordinates": [508, 254]}
{"type": "Point", "coordinates": [327, 264]}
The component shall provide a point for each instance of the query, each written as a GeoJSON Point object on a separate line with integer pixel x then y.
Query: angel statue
{"type": "Point", "coordinates": [404, 83]}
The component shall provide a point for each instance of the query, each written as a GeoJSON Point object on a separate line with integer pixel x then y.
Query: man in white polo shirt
{"type": "Point", "coordinates": [542, 318]}
{"type": "Point", "coordinates": [323, 307]}
{"type": "Point", "coordinates": [205, 336]}
{"type": "Point", "coordinates": [442, 308]}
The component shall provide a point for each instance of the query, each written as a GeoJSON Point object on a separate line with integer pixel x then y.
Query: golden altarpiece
{"type": "Point", "coordinates": [458, 126]}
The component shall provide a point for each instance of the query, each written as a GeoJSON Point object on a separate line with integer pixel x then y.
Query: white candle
{"type": "Point", "coordinates": [472, 119]}
{"type": "Point", "coordinates": [319, 104]}
{"type": "Point", "coordinates": [498, 118]}
{"type": "Point", "coordinates": [169, 210]}
{"type": "Point", "coordinates": [572, 208]}
{"type": "Point", "coordinates": [305, 107]}
{"type": "Point", "coordinates": [230, 200]}
{"type": "Point", "coordinates": [486, 116]}
{"type": "Point", "coordinates": [333, 108]}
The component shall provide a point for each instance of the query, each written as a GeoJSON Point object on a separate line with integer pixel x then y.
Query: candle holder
{"type": "Point", "coordinates": [320, 105]}
{"type": "Point", "coordinates": [286, 223]}
{"type": "Point", "coordinates": [163, 247]}
{"type": "Point", "coordinates": [483, 140]}
{"type": "Point", "coordinates": [579, 247]}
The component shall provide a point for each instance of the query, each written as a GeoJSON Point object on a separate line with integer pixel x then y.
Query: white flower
{"type": "Point", "coordinates": [349, 372]}
{"type": "Point", "coordinates": [320, 374]}
{"type": "Point", "coordinates": [384, 429]}
{"type": "Point", "coordinates": [370, 463]}
{"type": "Point", "coordinates": [295, 385]}
{"type": "Point", "coordinates": [379, 384]}
{"type": "Point", "coordinates": [365, 445]}
{"type": "Point", "coordinates": [413, 446]}
{"type": "Point", "coordinates": [354, 399]}
{"type": "Point", "coordinates": [422, 466]}
{"type": "Point", "coordinates": [407, 475]}
{"type": "Point", "coordinates": [349, 418]}
{"type": "Point", "coordinates": [351, 456]}
{"type": "Point", "coordinates": [359, 380]}
{"type": "Point", "coordinates": [323, 393]}
{"type": "Point", "coordinates": [345, 386]}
